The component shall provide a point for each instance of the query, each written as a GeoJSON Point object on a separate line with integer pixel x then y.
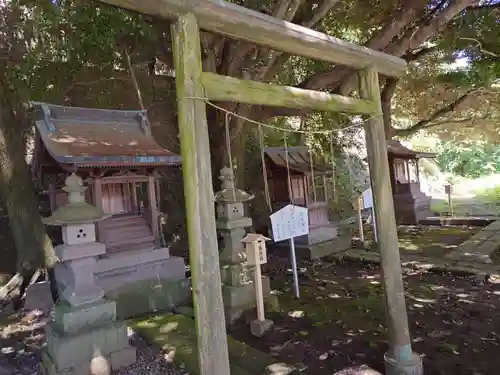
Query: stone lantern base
{"type": "Point", "coordinates": [240, 298]}
{"type": "Point", "coordinates": [86, 340]}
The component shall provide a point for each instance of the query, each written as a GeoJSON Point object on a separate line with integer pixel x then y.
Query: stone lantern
{"type": "Point", "coordinates": [84, 336]}
{"type": "Point", "coordinates": [238, 289]}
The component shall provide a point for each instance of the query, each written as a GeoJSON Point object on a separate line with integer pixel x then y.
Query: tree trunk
{"type": "Point", "coordinates": [238, 131]}
{"type": "Point", "coordinates": [386, 101]}
{"type": "Point", "coordinates": [34, 248]}
{"type": "Point", "coordinates": [217, 144]}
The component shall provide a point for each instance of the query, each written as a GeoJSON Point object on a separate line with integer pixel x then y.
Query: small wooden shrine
{"type": "Point", "coordinates": [410, 203]}
{"type": "Point", "coordinates": [296, 163]}
{"type": "Point", "coordinates": [114, 152]}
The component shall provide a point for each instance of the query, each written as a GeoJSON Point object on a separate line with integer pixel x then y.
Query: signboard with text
{"type": "Point", "coordinates": [289, 222]}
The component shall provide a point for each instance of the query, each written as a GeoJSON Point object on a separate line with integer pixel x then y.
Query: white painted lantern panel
{"type": "Point", "coordinates": [289, 222]}
{"type": "Point", "coordinates": [76, 234]}
{"type": "Point", "coordinates": [256, 253]}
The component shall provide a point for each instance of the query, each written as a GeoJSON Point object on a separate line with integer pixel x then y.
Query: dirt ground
{"type": "Point", "coordinates": [339, 320]}
{"type": "Point", "coordinates": [426, 240]}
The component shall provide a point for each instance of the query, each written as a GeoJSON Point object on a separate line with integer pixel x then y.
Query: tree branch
{"type": "Point", "coordinates": [414, 38]}
{"type": "Point", "coordinates": [279, 59]}
{"type": "Point", "coordinates": [464, 122]}
{"type": "Point", "coordinates": [282, 9]}
{"type": "Point", "coordinates": [416, 55]}
{"type": "Point", "coordinates": [292, 11]}
{"type": "Point", "coordinates": [484, 7]}
{"type": "Point", "coordinates": [405, 13]}
{"type": "Point", "coordinates": [386, 101]}
{"type": "Point", "coordinates": [321, 13]}
{"type": "Point", "coordinates": [382, 41]}
{"type": "Point", "coordinates": [430, 121]}
{"type": "Point", "coordinates": [480, 46]}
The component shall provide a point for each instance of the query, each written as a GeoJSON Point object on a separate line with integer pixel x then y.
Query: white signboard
{"type": "Point", "coordinates": [367, 198]}
{"type": "Point", "coordinates": [289, 222]}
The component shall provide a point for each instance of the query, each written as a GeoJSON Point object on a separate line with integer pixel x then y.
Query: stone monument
{"type": "Point", "coordinates": [84, 337]}
{"type": "Point", "coordinates": [238, 289]}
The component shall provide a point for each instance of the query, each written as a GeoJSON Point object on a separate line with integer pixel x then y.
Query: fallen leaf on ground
{"type": "Point", "coordinates": [323, 356]}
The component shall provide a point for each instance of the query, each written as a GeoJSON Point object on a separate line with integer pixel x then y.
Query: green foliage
{"type": "Point", "coordinates": [490, 196]}
{"type": "Point", "coordinates": [464, 59]}
{"type": "Point", "coordinates": [468, 159]}
{"type": "Point", "coordinates": [66, 41]}
{"type": "Point", "coordinates": [429, 168]}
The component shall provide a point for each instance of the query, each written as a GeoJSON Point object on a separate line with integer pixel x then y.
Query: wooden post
{"type": "Point", "coordinates": [258, 291]}
{"type": "Point", "coordinates": [52, 197]}
{"type": "Point", "coordinates": [97, 194]}
{"type": "Point", "coordinates": [127, 197]}
{"type": "Point", "coordinates": [397, 319]}
{"type": "Point", "coordinates": [359, 204]}
{"type": "Point", "coordinates": [135, 202]}
{"type": "Point", "coordinates": [153, 207]}
{"type": "Point", "coordinates": [198, 191]}
{"type": "Point", "coordinates": [325, 188]}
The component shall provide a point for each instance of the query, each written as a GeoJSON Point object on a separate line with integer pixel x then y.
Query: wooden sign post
{"type": "Point", "coordinates": [358, 203]}
{"type": "Point", "coordinates": [448, 190]}
{"type": "Point", "coordinates": [290, 222]}
{"type": "Point", "coordinates": [255, 247]}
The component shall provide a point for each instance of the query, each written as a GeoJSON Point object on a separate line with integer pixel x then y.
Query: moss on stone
{"type": "Point", "coordinates": [149, 296]}
{"type": "Point", "coordinates": [176, 335]}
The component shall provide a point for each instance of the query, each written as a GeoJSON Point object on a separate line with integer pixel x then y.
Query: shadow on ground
{"type": "Point", "coordinates": [340, 321]}
{"type": "Point", "coordinates": [428, 241]}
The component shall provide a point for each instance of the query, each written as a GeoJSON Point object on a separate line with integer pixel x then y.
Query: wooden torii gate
{"type": "Point", "coordinates": [194, 85]}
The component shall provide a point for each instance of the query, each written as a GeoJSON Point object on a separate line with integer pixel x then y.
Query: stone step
{"type": "Point", "coordinates": [141, 242]}
{"type": "Point", "coordinates": [129, 228]}
{"type": "Point", "coordinates": [131, 247]}
{"type": "Point", "coordinates": [110, 236]}
{"type": "Point", "coordinates": [125, 216]}
{"type": "Point", "coordinates": [125, 228]}
{"type": "Point", "coordinates": [123, 222]}
{"type": "Point", "coordinates": [478, 221]}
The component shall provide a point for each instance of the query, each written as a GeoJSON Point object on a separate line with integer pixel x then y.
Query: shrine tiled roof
{"type": "Point", "coordinates": [396, 148]}
{"type": "Point", "coordinates": [298, 160]}
{"type": "Point", "coordinates": [98, 137]}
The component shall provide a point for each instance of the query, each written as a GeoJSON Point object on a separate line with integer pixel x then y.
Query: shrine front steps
{"type": "Point", "coordinates": [176, 335]}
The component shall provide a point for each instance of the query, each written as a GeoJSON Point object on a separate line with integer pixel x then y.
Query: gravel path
{"type": "Point", "coordinates": [21, 338]}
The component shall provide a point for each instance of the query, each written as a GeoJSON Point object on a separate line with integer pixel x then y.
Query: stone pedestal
{"type": "Point", "coordinates": [84, 337]}
{"type": "Point", "coordinates": [238, 290]}
{"type": "Point", "coordinates": [143, 281]}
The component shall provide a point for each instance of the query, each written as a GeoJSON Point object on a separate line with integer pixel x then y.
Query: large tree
{"type": "Point", "coordinates": [455, 89]}
{"type": "Point", "coordinates": [49, 48]}
{"type": "Point", "coordinates": [43, 54]}
{"type": "Point", "coordinates": [411, 29]}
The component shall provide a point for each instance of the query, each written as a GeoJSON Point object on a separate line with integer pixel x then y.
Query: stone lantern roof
{"type": "Point", "coordinates": [228, 193]}
{"type": "Point", "coordinates": [76, 210]}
